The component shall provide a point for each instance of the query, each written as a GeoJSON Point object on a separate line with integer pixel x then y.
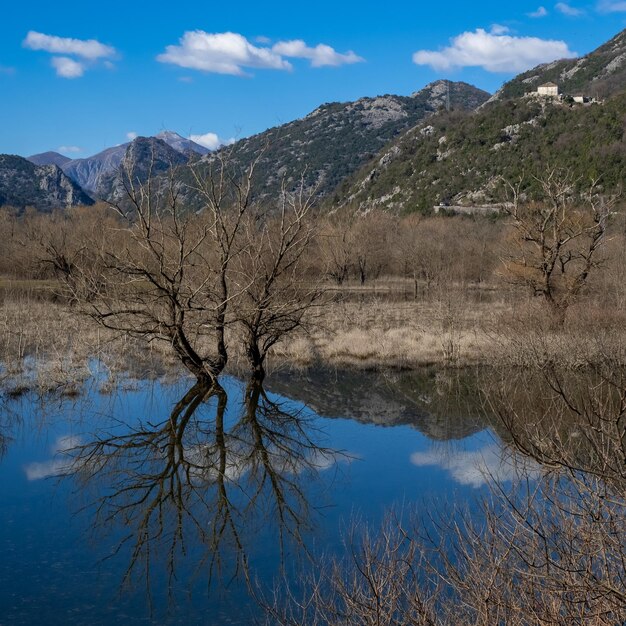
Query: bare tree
{"type": "Point", "coordinates": [335, 249]}
{"type": "Point", "coordinates": [161, 273]}
{"type": "Point", "coordinates": [164, 273]}
{"type": "Point", "coordinates": [276, 295]}
{"type": "Point", "coordinates": [556, 240]}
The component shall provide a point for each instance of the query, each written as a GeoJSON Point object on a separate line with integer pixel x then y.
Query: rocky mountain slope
{"type": "Point", "coordinates": [178, 142]}
{"type": "Point", "coordinates": [95, 173]}
{"type": "Point", "coordinates": [599, 74]}
{"type": "Point", "coordinates": [459, 159]}
{"type": "Point", "coordinates": [89, 172]}
{"type": "Point", "coordinates": [49, 158]}
{"type": "Point", "coordinates": [336, 139]}
{"type": "Point", "coordinates": [44, 187]}
{"type": "Point", "coordinates": [143, 158]}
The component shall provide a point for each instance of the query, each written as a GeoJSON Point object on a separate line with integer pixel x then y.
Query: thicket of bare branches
{"type": "Point", "coordinates": [549, 549]}
{"type": "Point", "coordinates": [556, 241]}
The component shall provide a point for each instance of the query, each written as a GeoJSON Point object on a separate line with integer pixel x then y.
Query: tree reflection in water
{"type": "Point", "coordinates": [198, 488]}
{"type": "Point", "coordinates": [10, 418]}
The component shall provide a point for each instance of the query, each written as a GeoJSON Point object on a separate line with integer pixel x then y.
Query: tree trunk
{"type": "Point", "coordinates": [256, 359]}
{"type": "Point", "coordinates": [203, 371]}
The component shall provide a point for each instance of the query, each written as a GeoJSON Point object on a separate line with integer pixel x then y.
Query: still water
{"type": "Point", "coordinates": [167, 503]}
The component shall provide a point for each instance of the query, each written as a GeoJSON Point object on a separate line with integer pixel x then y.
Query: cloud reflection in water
{"type": "Point", "coordinates": [59, 465]}
{"type": "Point", "coordinates": [477, 467]}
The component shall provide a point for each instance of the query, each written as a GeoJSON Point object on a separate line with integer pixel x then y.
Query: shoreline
{"type": "Point", "coordinates": [53, 348]}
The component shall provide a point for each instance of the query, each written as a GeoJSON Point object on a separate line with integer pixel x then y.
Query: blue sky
{"type": "Point", "coordinates": [84, 76]}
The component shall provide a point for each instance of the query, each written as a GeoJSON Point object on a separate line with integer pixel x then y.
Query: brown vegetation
{"type": "Point", "coordinates": [233, 282]}
{"type": "Point", "coordinates": [240, 284]}
{"type": "Point", "coordinates": [555, 243]}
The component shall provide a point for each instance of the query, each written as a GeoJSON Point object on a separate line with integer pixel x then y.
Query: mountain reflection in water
{"type": "Point", "coordinates": [222, 491]}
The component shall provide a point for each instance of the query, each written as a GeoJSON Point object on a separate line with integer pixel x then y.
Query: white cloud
{"type": "Point", "coordinates": [540, 12]}
{"type": "Point", "coordinates": [320, 56]}
{"type": "Point", "coordinates": [499, 29]}
{"type": "Point", "coordinates": [262, 39]}
{"type": "Point", "coordinates": [232, 53]}
{"type": "Point", "coordinates": [88, 52]}
{"type": "Point", "coordinates": [612, 6]}
{"type": "Point", "coordinates": [211, 140]}
{"type": "Point", "coordinates": [7, 71]}
{"type": "Point", "coordinates": [69, 149]}
{"type": "Point", "coordinates": [566, 9]}
{"type": "Point", "coordinates": [67, 68]}
{"type": "Point", "coordinates": [222, 53]}
{"type": "Point", "coordinates": [90, 49]}
{"type": "Point", "coordinates": [131, 135]}
{"type": "Point", "coordinates": [493, 52]}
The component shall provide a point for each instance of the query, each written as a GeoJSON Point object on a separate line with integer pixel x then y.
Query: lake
{"type": "Point", "coordinates": [166, 503]}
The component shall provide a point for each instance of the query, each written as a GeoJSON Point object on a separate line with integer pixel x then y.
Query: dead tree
{"type": "Point", "coordinates": [275, 294]}
{"type": "Point", "coordinates": [556, 240]}
{"type": "Point", "coordinates": [162, 273]}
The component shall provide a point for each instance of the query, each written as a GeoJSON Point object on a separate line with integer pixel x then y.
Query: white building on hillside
{"type": "Point", "coordinates": [548, 89]}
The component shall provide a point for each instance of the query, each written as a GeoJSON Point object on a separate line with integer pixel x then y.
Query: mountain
{"type": "Point", "coordinates": [89, 172]}
{"type": "Point", "coordinates": [144, 157]}
{"type": "Point", "coordinates": [458, 158]}
{"type": "Point", "coordinates": [336, 139]}
{"type": "Point", "coordinates": [45, 187]}
{"type": "Point", "coordinates": [600, 74]}
{"type": "Point", "coordinates": [49, 158]}
{"type": "Point", "coordinates": [95, 173]}
{"type": "Point", "coordinates": [186, 146]}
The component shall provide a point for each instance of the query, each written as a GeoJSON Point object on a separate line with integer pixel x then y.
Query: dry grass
{"type": "Point", "coordinates": [49, 347]}
{"type": "Point", "coordinates": [454, 328]}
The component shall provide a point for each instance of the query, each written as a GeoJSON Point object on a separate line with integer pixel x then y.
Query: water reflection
{"type": "Point", "coordinates": [10, 418]}
{"type": "Point", "coordinates": [475, 468]}
{"type": "Point", "coordinates": [200, 482]}
{"type": "Point", "coordinates": [58, 465]}
{"type": "Point", "coordinates": [222, 482]}
{"type": "Point", "coordinates": [443, 405]}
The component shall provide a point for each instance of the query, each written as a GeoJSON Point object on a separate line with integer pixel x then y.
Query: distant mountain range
{"type": "Point", "coordinates": [49, 158]}
{"type": "Point", "coordinates": [51, 180]}
{"type": "Point", "coordinates": [446, 143]}
{"type": "Point", "coordinates": [89, 173]}
{"type": "Point", "coordinates": [44, 187]}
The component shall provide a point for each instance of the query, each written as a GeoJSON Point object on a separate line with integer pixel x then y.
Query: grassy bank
{"type": "Point", "coordinates": [49, 346]}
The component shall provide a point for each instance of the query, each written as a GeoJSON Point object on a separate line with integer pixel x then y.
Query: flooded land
{"type": "Point", "coordinates": [173, 503]}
